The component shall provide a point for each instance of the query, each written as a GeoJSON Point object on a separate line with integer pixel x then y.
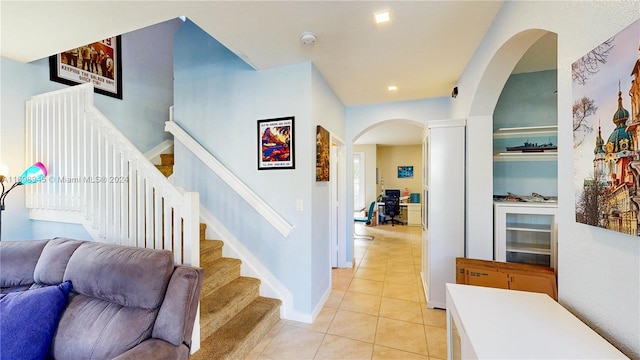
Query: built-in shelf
{"type": "Point", "coordinates": [530, 131]}
{"type": "Point", "coordinates": [526, 248]}
{"type": "Point", "coordinates": [526, 156]}
{"type": "Point", "coordinates": [529, 227]}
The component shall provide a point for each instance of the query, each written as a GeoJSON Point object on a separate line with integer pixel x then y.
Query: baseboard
{"type": "Point", "coordinates": [153, 155]}
{"type": "Point", "coordinates": [431, 304]}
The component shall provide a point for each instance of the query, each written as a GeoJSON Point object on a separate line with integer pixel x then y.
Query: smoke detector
{"type": "Point", "coordinates": [308, 38]}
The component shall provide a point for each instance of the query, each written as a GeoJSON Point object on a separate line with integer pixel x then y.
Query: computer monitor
{"type": "Point", "coordinates": [392, 192]}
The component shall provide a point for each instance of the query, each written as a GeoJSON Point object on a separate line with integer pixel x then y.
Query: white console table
{"type": "Point", "coordinates": [489, 323]}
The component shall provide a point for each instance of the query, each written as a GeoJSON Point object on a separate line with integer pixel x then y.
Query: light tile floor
{"type": "Point", "coordinates": [376, 310]}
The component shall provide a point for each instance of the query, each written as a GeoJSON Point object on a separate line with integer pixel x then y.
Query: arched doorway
{"type": "Point", "coordinates": [380, 149]}
{"type": "Point", "coordinates": [516, 52]}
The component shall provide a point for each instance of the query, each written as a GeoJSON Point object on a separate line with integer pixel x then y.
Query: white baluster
{"type": "Point", "coordinates": [157, 216]}
{"type": "Point", "coordinates": [77, 143]}
{"type": "Point", "coordinates": [167, 233]}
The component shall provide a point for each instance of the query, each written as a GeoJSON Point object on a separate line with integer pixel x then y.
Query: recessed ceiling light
{"type": "Point", "coordinates": [382, 17]}
{"type": "Point", "coordinates": [392, 88]}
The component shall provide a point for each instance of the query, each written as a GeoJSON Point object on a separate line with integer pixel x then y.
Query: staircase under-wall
{"type": "Point", "coordinates": [233, 315]}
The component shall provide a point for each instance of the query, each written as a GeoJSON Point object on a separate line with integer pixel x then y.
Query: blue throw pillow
{"type": "Point", "coordinates": [29, 319]}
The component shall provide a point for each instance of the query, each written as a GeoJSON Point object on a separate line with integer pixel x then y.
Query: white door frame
{"type": "Point", "coordinates": [338, 202]}
{"type": "Point", "coordinates": [362, 179]}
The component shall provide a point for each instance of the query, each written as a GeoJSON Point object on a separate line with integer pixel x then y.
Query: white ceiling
{"type": "Point", "coordinates": [423, 50]}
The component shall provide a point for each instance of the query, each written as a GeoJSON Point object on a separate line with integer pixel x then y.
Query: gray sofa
{"type": "Point", "coordinates": [125, 302]}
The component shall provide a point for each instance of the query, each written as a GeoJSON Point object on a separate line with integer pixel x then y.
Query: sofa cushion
{"type": "Point", "coordinates": [92, 328]}
{"type": "Point", "coordinates": [128, 276]}
{"type": "Point", "coordinates": [29, 321]}
{"type": "Point", "coordinates": [53, 261]}
{"type": "Point", "coordinates": [155, 349]}
{"type": "Point", "coordinates": [18, 259]}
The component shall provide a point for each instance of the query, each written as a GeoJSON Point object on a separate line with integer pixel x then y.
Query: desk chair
{"type": "Point", "coordinates": [366, 220]}
{"type": "Point", "coordinates": [392, 209]}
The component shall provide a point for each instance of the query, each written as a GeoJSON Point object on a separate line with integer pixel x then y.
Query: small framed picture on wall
{"type": "Point", "coordinates": [405, 172]}
{"type": "Point", "coordinates": [276, 144]}
{"type": "Point", "coordinates": [323, 156]}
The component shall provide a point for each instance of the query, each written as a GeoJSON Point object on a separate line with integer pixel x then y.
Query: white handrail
{"type": "Point", "coordinates": [266, 211]}
{"type": "Point", "coordinates": [96, 171]}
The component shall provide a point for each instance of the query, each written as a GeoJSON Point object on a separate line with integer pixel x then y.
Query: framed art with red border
{"type": "Point", "coordinates": [276, 144]}
{"type": "Point", "coordinates": [99, 63]}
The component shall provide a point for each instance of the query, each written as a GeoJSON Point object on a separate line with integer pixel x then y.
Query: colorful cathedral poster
{"type": "Point", "coordinates": [606, 131]}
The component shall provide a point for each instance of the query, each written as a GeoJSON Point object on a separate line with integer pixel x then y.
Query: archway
{"type": "Point", "coordinates": [479, 203]}
{"type": "Point", "coordinates": [390, 134]}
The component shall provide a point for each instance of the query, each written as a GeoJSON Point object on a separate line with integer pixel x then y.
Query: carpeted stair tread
{"type": "Point", "coordinates": [209, 254]}
{"type": "Point", "coordinates": [210, 250]}
{"type": "Point", "coordinates": [166, 159]}
{"type": "Point", "coordinates": [206, 245]}
{"type": "Point", "coordinates": [220, 272]}
{"type": "Point", "coordinates": [203, 231]}
{"type": "Point", "coordinates": [223, 304]}
{"type": "Point", "coordinates": [166, 170]}
{"type": "Point", "coordinates": [242, 333]}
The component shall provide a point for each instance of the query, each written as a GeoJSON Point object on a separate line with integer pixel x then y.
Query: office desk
{"type": "Point", "coordinates": [410, 213]}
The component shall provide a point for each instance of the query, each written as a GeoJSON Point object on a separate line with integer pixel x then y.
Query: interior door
{"type": "Point", "coordinates": [338, 178]}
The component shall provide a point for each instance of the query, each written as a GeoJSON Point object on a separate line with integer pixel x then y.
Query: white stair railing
{"type": "Point", "coordinates": [255, 201]}
{"type": "Point", "coordinates": [98, 176]}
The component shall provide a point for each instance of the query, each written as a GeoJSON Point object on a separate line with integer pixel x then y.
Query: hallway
{"type": "Point", "coordinates": [376, 310]}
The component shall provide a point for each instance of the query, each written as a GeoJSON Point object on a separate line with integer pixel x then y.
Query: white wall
{"type": "Point", "coordinates": [598, 271]}
{"type": "Point", "coordinates": [370, 155]}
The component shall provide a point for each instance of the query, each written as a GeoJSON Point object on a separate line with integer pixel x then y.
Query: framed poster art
{"type": "Point", "coordinates": [323, 155]}
{"type": "Point", "coordinates": [276, 144]}
{"type": "Point", "coordinates": [405, 172]}
{"type": "Point", "coordinates": [99, 63]}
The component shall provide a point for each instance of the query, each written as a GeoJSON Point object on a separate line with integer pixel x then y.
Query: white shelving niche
{"type": "Point", "coordinates": [526, 232]}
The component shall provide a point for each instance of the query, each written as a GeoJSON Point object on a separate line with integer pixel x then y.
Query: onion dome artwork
{"type": "Point", "coordinates": [620, 139]}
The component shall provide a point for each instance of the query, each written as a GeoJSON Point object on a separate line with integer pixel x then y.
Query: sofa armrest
{"type": "Point", "coordinates": [155, 349]}
{"type": "Point", "coordinates": [178, 310]}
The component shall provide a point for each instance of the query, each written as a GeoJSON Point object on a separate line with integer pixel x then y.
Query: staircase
{"type": "Point", "coordinates": [166, 164]}
{"type": "Point", "coordinates": [233, 316]}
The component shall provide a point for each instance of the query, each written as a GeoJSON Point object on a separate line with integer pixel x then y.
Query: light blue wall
{"type": "Point", "coordinates": [17, 82]}
{"type": "Point", "coordinates": [527, 99]}
{"type": "Point", "coordinates": [328, 112]}
{"type": "Point", "coordinates": [50, 229]}
{"type": "Point", "coordinates": [147, 57]}
{"type": "Point", "coordinates": [218, 100]}
{"type": "Point", "coordinates": [147, 85]}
